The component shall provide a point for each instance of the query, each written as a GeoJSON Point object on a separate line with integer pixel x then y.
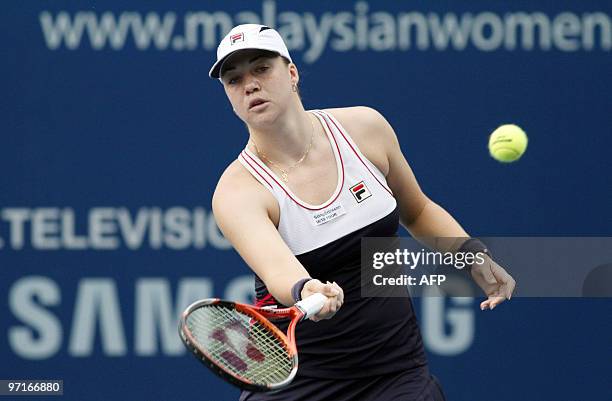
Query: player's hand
{"type": "Point", "coordinates": [334, 294]}
{"type": "Point", "coordinates": [496, 283]}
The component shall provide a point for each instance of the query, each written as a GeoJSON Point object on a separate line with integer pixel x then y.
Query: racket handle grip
{"type": "Point", "coordinates": [312, 304]}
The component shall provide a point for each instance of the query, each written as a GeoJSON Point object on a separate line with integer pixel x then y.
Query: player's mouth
{"type": "Point", "coordinates": [256, 104]}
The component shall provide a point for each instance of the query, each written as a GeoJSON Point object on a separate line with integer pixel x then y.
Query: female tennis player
{"type": "Point", "coordinates": [296, 203]}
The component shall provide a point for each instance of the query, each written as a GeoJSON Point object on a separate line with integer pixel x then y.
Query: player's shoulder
{"type": "Point", "coordinates": [364, 124]}
{"type": "Point", "coordinates": [237, 187]}
{"type": "Point", "coordinates": [357, 115]}
{"type": "Point", "coordinates": [370, 131]}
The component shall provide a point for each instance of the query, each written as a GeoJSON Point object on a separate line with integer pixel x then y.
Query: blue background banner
{"type": "Point", "coordinates": [113, 138]}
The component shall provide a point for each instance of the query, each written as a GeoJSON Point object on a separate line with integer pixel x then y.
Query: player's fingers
{"type": "Point", "coordinates": [484, 305]}
{"type": "Point", "coordinates": [334, 300]}
{"type": "Point", "coordinates": [328, 310]}
{"type": "Point", "coordinates": [339, 298]}
{"type": "Point", "coordinates": [332, 305]}
{"type": "Point", "coordinates": [340, 293]}
{"type": "Point", "coordinates": [332, 292]}
{"type": "Point", "coordinates": [316, 286]}
{"type": "Point", "coordinates": [496, 301]}
{"type": "Point", "coordinates": [329, 290]}
{"type": "Point", "coordinates": [312, 287]}
{"type": "Point", "coordinates": [490, 302]}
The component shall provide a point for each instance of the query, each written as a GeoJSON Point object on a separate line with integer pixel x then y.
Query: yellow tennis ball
{"type": "Point", "coordinates": [507, 143]}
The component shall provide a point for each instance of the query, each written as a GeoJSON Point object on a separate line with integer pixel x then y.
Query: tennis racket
{"type": "Point", "coordinates": [240, 344]}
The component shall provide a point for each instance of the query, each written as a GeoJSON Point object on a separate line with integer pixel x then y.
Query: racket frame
{"type": "Point", "coordinates": [263, 316]}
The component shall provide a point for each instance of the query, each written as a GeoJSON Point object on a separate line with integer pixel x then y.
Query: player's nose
{"type": "Point", "coordinates": [252, 85]}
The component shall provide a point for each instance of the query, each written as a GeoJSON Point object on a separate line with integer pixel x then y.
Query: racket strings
{"type": "Point", "coordinates": [240, 344]}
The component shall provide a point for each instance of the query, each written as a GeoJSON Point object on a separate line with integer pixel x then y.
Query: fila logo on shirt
{"type": "Point", "coordinates": [360, 192]}
{"type": "Point", "coordinates": [239, 37]}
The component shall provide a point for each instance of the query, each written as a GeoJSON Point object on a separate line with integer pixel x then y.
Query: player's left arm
{"type": "Point", "coordinates": [428, 222]}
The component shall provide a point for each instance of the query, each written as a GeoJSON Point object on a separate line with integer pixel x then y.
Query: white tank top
{"type": "Point", "coordinates": [362, 195]}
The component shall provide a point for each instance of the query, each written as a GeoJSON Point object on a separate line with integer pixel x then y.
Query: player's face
{"type": "Point", "coordinates": [258, 85]}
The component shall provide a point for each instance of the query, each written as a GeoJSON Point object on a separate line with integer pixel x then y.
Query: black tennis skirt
{"type": "Point", "coordinates": [414, 385]}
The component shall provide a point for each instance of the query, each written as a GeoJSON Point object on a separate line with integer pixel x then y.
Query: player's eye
{"type": "Point", "coordinates": [262, 68]}
{"type": "Point", "coordinates": [233, 80]}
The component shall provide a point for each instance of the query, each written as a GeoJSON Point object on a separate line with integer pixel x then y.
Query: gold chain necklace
{"type": "Point", "coordinates": [285, 172]}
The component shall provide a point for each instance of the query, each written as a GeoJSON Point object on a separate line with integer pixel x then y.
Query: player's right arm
{"type": "Point", "coordinates": [245, 212]}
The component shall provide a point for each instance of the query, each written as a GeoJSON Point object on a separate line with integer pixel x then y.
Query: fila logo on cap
{"type": "Point", "coordinates": [360, 192]}
{"type": "Point", "coordinates": [248, 36]}
{"type": "Point", "coordinates": [239, 37]}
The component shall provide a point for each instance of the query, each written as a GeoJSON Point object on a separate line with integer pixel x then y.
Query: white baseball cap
{"type": "Point", "coordinates": [248, 36]}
